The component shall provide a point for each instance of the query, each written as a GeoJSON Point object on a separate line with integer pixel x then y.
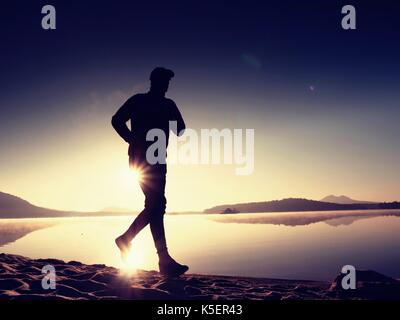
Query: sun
{"type": "Point", "coordinates": [130, 177]}
{"type": "Point", "coordinates": [136, 175]}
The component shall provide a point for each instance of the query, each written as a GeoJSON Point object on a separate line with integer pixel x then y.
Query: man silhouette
{"type": "Point", "coordinates": [148, 111]}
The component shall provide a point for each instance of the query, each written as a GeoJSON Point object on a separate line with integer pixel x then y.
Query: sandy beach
{"type": "Point", "coordinates": [21, 279]}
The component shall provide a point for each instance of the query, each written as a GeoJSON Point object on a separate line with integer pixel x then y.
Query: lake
{"type": "Point", "coordinates": [310, 245]}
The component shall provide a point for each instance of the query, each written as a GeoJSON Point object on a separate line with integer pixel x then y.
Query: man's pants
{"type": "Point", "coordinates": [153, 179]}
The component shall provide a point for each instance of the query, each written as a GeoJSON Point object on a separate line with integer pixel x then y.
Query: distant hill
{"type": "Point", "coordinates": [15, 207]}
{"type": "Point", "coordinates": [297, 204]}
{"type": "Point", "coordinates": [342, 200]}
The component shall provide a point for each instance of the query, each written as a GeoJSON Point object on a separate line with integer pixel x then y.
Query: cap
{"type": "Point", "coordinates": [160, 73]}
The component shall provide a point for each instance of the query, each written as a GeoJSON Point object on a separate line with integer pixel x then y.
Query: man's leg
{"type": "Point", "coordinates": [158, 232]}
{"type": "Point", "coordinates": [157, 201]}
{"type": "Point", "coordinates": [124, 241]}
{"type": "Point", "coordinates": [142, 220]}
{"type": "Point", "coordinates": [153, 187]}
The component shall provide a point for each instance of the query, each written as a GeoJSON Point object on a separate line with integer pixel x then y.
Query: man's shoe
{"type": "Point", "coordinates": [172, 268]}
{"type": "Point", "coordinates": [124, 246]}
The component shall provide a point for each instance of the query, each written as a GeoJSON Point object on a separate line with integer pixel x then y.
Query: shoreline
{"type": "Point", "coordinates": [336, 213]}
{"type": "Point", "coordinates": [21, 278]}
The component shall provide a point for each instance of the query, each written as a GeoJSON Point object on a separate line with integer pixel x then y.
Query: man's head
{"type": "Point", "coordinates": [159, 79]}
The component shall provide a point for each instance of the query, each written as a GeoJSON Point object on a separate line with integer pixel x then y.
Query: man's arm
{"type": "Point", "coordinates": [177, 116]}
{"type": "Point", "coordinates": [120, 119]}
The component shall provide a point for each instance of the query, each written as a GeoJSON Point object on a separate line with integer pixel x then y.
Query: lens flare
{"type": "Point", "coordinates": [136, 175]}
{"type": "Point", "coordinates": [131, 264]}
{"type": "Point", "coordinates": [130, 177]}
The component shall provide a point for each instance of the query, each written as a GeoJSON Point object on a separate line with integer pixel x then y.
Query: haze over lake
{"type": "Point", "coordinates": [310, 245]}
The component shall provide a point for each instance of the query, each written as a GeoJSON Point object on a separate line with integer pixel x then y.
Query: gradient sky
{"type": "Point", "coordinates": [324, 102]}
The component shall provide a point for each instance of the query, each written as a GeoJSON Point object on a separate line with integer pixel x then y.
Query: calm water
{"type": "Point", "coordinates": [278, 245]}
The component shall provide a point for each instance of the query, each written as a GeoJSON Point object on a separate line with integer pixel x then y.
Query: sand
{"type": "Point", "coordinates": [21, 279]}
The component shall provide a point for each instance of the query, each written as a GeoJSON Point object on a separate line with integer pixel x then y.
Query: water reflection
{"type": "Point", "coordinates": [276, 245]}
{"type": "Point", "coordinates": [11, 231]}
{"type": "Point", "coordinates": [332, 218]}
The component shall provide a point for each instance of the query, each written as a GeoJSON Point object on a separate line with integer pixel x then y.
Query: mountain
{"type": "Point", "coordinates": [342, 200]}
{"type": "Point", "coordinates": [15, 207]}
{"type": "Point", "coordinates": [297, 204]}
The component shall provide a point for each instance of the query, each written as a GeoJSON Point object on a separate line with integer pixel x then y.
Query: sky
{"type": "Point", "coordinates": [323, 101]}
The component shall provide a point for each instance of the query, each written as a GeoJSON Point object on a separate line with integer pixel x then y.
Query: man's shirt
{"type": "Point", "coordinates": [146, 111]}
